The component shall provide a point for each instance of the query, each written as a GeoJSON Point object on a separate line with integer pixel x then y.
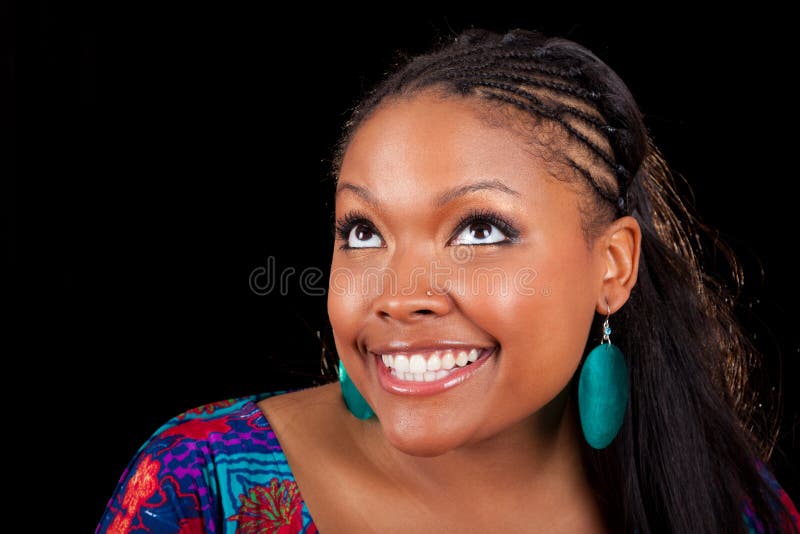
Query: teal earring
{"type": "Point", "coordinates": [603, 391]}
{"type": "Point", "coordinates": [352, 397]}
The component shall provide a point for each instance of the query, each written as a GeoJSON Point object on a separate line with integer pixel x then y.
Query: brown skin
{"type": "Point", "coordinates": [501, 450]}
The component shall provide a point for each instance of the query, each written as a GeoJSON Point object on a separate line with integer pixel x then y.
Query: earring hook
{"type": "Point", "coordinates": [606, 327]}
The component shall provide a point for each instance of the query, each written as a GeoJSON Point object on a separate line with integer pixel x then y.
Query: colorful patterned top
{"type": "Point", "coordinates": [215, 469]}
{"type": "Point", "coordinates": [220, 469]}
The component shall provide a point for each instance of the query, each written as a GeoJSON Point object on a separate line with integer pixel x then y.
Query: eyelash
{"type": "Point", "coordinates": [492, 217]}
{"type": "Point", "coordinates": [346, 224]}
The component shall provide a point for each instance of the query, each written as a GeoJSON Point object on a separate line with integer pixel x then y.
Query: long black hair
{"type": "Point", "coordinates": [688, 456]}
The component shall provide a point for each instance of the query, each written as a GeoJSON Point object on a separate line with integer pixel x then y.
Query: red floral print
{"type": "Point", "coordinates": [143, 485]}
{"type": "Point", "coordinates": [274, 509]}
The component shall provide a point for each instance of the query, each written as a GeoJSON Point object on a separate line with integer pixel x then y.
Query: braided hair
{"type": "Point", "coordinates": [688, 456]}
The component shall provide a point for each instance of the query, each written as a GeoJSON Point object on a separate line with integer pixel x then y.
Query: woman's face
{"type": "Point", "coordinates": [526, 283]}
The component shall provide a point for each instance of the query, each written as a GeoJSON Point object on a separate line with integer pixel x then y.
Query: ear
{"type": "Point", "coordinates": [620, 247]}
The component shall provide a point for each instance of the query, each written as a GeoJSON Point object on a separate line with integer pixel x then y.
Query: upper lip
{"type": "Point", "coordinates": [394, 346]}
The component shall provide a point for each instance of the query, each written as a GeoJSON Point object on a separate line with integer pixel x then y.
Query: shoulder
{"type": "Point", "coordinates": [312, 424]}
{"type": "Point", "coordinates": [213, 433]}
{"type": "Point", "coordinates": [200, 469]}
{"type": "Point", "coordinates": [211, 425]}
{"type": "Point", "coordinates": [780, 501]}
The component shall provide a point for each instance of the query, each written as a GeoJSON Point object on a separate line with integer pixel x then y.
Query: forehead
{"type": "Point", "coordinates": [427, 143]}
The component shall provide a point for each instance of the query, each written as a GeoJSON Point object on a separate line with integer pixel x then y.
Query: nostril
{"type": "Point", "coordinates": [409, 309]}
{"type": "Point", "coordinates": [384, 314]}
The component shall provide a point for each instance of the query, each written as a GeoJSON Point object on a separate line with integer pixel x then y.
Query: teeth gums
{"type": "Point", "coordinates": [434, 366]}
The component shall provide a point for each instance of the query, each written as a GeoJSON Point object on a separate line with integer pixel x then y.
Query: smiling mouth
{"type": "Point", "coordinates": [431, 366]}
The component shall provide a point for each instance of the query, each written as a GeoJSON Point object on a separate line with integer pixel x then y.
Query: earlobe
{"type": "Point", "coordinates": [621, 249]}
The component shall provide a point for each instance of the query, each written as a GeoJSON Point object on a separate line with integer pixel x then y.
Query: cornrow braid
{"type": "Point", "coordinates": [560, 71]}
{"type": "Point", "coordinates": [571, 90]}
{"type": "Point", "coordinates": [483, 64]}
{"type": "Point", "coordinates": [548, 113]}
{"type": "Point", "coordinates": [536, 105]}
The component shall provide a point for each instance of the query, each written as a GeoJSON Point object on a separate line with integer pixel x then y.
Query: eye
{"type": "Point", "coordinates": [483, 227]}
{"type": "Point", "coordinates": [482, 232]}
{"type": "Point", "coordinates": [362, 236]}
{"type": "Point", "coordinates": [357, 232]}
{"type": "Point", "coordinates": [479, 227]}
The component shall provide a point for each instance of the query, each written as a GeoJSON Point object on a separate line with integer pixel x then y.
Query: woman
{"type": "Point", "coordinates": [527, 341]}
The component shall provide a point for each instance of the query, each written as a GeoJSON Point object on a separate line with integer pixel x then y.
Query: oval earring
{"type": "Point", "coordinates": [603, 391]}
{"type": "Point", "coordinates": [355, 402]}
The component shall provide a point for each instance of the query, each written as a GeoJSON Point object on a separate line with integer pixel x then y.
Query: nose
{"type": "Point", "coordinates": [416, 305]}
{"type": "Point", "coordinates": [413, 297]}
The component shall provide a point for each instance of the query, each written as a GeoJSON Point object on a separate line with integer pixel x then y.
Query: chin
{"type": "Point", "coordinates": [421, 440]}
{"type": "Point", "coordinates": [424, 448]}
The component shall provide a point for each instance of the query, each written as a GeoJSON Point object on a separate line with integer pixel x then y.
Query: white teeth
{"type": "Point", "coordinates": [427, 376]}
{"type": "Point", "coordinates": [448, 361]}
{"type": "Point", "coordinates": [417, 364]}
{"type": "Point", "coordinates": [437, 365]}
{"type": "Point", "coordinates": [401, 364]}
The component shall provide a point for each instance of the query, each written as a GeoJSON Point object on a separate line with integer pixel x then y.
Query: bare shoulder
{"type": "Point", "coordinates": [306, 420]}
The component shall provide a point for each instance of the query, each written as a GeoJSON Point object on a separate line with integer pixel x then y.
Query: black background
{"type": "Point", "coordinates": [165, 153]}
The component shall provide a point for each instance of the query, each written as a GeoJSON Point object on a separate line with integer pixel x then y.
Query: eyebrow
{"type": "Point", "coordinates": [442, 199]}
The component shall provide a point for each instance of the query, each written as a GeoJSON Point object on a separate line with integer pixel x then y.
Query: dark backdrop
{"type": "Point", "coordinates": [166, 153]}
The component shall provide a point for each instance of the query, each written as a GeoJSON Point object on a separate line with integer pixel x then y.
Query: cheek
{"type": "Point", "coordinates": [542, 325]}
{"type": "Point", "coordinates": [344, 307]}
{"type": "Point", "coordinates": [349, 301]}
{"type": "Point", "coordinates": [568, 298]}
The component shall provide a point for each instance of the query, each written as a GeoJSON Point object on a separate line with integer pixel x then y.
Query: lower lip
{"type": "Point", "coordinates": [458, 376]}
